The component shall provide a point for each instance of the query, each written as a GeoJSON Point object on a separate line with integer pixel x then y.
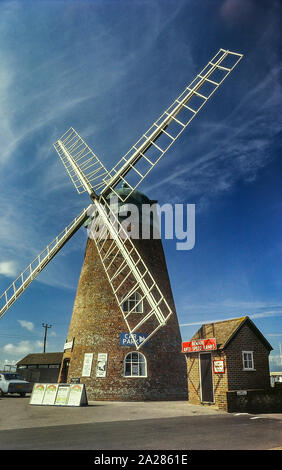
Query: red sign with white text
{"type": "Point", "coordinates": [199, 345]}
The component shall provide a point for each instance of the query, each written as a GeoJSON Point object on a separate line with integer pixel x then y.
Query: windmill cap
{"type": "Point", "coordinates": [136, 197]}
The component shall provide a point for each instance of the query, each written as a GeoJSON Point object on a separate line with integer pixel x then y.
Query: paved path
{"type": "Point", "coordinates": [16, 412]}
{"type": "Point", "coordinates": [133, 426]}
{"type": "Point", "coordinates": [189, 433]}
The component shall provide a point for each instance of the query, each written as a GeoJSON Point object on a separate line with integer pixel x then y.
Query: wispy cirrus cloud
{"type": "Point", "coordinates": [227, 309]}
{"type": "Point", "coordinates": [240, 145]}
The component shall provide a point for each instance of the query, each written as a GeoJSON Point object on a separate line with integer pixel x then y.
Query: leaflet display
{"type": "Point", "coordinates": [37, 394]}
{"type": "Point", "coordinates": [59, 394]}
{"type": "Point", "coordinates": [50, 394]}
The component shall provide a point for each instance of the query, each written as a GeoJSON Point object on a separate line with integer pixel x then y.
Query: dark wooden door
{"type": "Point", "coordinates": [65, 369]}
{"type": "Point", "coordinates": [206, 377]}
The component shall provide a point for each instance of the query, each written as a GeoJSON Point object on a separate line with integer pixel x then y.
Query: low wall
{"type": "Point", "coordinates": [255, 401]}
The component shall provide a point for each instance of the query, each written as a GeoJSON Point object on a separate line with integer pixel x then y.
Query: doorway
{"type": "Point", "coordinates": [65, 369]}
{"type": "Point", "coordinates": [206, 378]}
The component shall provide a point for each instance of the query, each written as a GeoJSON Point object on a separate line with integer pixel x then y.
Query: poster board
{"type": "Point", "coordinates": [62, 395]}
{"type": "Point", "coordinates": [50, 394]}
{"type": "Point", "coordinates": [77, 395]}
{"type": "Point", "coordinates": [87, 365]}
{"type": "Point", "coordinates": [101, 369]}
{"type": "Point", "coordinates": [37, 394]}
{"type": "Point", "coordinates": [59, 394]}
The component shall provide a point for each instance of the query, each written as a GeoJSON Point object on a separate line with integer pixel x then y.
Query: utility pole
{"type": "Point", "coordinates": [45, 335]}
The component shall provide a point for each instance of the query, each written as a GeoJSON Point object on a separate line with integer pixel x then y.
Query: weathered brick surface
{"type": "Point", "coordinates": [96, 325]}
{"type": "Point", "coordinates": [246, 340]}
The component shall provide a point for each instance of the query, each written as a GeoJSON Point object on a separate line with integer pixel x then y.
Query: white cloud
{"type": "Point", "coordinates": [8, 268]}
{"type": "Point", "coordinates": [23, 348]}
{"type": "Point", "coordinates": [26, 324]}
{"type": "Point", "coordinates": [16, 352]}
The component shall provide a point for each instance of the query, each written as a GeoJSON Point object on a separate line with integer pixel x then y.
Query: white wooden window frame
{"type": "Point", "coordinates": [249, 360]}
{"type": "Point", "coordinates": [135, 363]}
{"type": "Point", "coordinates": [133, 303]}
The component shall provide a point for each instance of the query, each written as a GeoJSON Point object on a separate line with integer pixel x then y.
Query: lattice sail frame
{"type": "Point", "coordinates": [13, 292]}
{"type": "Point", "coordinates": [84, 168]}
{"type": "Point", "coordinates": [88, 174]}
{"type": "Point", "coordinates": [146, 153]}
{"type": "Point", "coordinates": [123, 263]}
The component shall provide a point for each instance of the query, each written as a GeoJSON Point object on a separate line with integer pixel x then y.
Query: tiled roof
{"type": "Point", "coordinates": [225, 330]}
{"type": "Point", "coordinates": [42, 358]}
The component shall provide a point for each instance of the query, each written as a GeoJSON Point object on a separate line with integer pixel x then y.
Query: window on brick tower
{"type": "Point", "coordinates": [135, 365]}
{"type": "Point", "coordinates": [248, 360]}
{"type": "Point", "coordinates": [133, 304]}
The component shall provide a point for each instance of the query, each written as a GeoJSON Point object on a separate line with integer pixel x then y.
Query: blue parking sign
{"type": "Point", "coordinates": [127, 340]}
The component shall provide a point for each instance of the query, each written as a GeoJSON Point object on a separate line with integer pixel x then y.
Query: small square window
{"type": "Point", "coordinates": [133, 304]}
{"type": "Point", "coordinates": [248, 360]}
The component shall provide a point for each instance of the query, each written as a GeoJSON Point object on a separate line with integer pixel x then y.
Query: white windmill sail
{"type": "Point", "coordinates": [89, 174]}
{"type": "Point", "coordinates": [119, 256]}
{"type": "Point", "coordinates": [122, 264]}
{"type": "Point", "coordinates": [83, 167]}
{"type": "Point", "coordinates": [13, 292]}
{"type": "Point", "coordinates": [135, 165]}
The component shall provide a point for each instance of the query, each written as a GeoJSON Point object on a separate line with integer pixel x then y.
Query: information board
{"type": "Point", "coordinates": [37, 394]}
{"type": "Point", "coordinates": [77, 395]}
{"type": "Point", "coordinates": [59, 394]}
{"type": "Point", "coordinates": [87, 364]}
{"type": "Point", "coordinates": [218, 366]}
{"type": "Point", "coordinates": [62, 395]}
{"type": "Point", "coordinates": [102, 365]}
{"type": "Point", "coordinates": [50, 394]}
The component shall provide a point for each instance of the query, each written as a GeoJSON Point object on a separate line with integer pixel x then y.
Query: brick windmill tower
{"type": "Point", "coordinates": [124, 341]}
{"type": "Point", "coordinates": [118, 368]}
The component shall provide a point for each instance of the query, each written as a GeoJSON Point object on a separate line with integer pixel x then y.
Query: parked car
{"type": "Point", "coordinates": [11, 382]}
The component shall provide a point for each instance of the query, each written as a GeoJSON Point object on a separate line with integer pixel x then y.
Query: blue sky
{"type": "Point", "coordinates": [109, 69]}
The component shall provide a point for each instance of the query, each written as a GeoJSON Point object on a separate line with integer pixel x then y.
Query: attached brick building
{"type": "Point", "coordinates": [239, 362]}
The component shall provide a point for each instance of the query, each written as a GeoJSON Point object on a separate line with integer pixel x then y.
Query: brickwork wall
{"type": "Point", "coordinates": [234, 378]}
{"type": "Point", "coordinates": [96, 325]}
{"type": "Point", "coordinates": [239, 379]}
{"type": "Point", "coordinates": [219, 380]}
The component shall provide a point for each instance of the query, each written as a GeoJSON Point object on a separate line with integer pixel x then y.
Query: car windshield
{"type": "Point", "coordinates": [13, 377]}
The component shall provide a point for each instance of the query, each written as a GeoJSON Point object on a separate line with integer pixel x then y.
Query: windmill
{"type": "Point", "coordinates": [139, 296]}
